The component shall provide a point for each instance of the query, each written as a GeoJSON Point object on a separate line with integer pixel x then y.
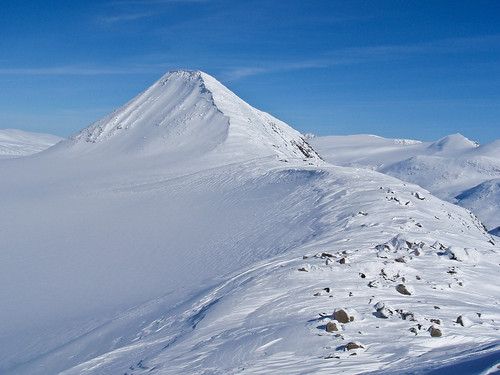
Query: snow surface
{"type": "Point", "coordinates": [15, 143]}
{"type": "Point", "coordinates": [229, 253]}
{"type": "Point", "coordinates": [453, 168]}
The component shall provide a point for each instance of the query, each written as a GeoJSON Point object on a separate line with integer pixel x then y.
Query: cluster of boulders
{"type": "Point", "coordinates": [335, 323]}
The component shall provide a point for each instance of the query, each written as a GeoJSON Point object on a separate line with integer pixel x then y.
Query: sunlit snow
{"type": "Point", "coordinates": [189, 233]}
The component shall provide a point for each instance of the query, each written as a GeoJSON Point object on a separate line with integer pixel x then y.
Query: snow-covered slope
{"type": "Point", "coordinates": [15, 143]}
{"type": "Point", "coordinates": [175, 258]}
{"type": "Point", "coordinates": [448, 167]}
{"type": "Point", "coordinates": [190, 113]}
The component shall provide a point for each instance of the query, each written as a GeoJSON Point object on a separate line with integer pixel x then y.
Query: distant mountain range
{"type": "Point", "coordinates": [454, 168]}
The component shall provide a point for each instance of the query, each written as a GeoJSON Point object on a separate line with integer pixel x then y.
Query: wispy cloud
{"type": "Point", "coordinates": [125, 17]}
{"type": "Point", "coordinates": [367, 54]}
{"type": "Point", "coordinates": [132, 10]}
{"type": "Point", "coordinates": [441, 46]}
{"type": "Point", "coordinates": [72, 70]}
{"type": "Point", "coordinates": [234, 73]}
{"type": "Point", "coordinates": [152, 2]}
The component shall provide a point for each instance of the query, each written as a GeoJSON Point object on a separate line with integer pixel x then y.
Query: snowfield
{"type": "Point", "coordinates": [16, 143]}
{"type": "Point", "coordinates": [454, 168]}
{"type": "Point", "coordinates": [189, 233]}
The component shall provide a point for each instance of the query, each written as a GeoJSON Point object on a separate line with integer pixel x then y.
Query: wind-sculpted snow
{"type": "Point", "coordinates": [180, 263]}
{"type": "Point", "coordinates": [219, 255]}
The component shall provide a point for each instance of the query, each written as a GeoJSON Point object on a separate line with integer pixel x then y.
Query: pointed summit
{"type": "Point", "coordinates": [191, 113]}
{"type": "Point", "coordinates": [452, 143]}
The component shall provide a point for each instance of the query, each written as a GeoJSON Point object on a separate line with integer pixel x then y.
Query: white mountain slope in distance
{"type": "Point", "coordinates": [179, 257]}
{"type": "Point", "coordinates": [454, 168]}
{"type": "Point", "coordinates": [189, 113]}
{"type": "Point", "coordinates": [16, 143]}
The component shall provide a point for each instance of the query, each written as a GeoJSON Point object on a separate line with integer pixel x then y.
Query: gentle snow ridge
{"type": "Point", "coordinates": [15, 143]}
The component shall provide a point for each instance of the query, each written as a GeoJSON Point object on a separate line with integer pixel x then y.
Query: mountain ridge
{"type": "Point", "coordinates": [190, 112]}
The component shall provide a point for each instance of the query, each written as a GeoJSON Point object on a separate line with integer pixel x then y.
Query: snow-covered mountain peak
{"type": "Point", "coordinates": [191, 113]}
{"type": "Point", "coordinates": [453, 143]}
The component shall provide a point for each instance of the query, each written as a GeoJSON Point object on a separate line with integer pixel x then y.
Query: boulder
{"type": "Point", "coordinates": [464, 321]}
{"type": "Point", "coordinates": [331, 327]}
{"type": "Point", "coordinates": [401, 288]}
{"type": "Point", "coordinates": [435, 332]}
{"type": "Point", "coordinates": [341, 316]}
{"type": "Point", "coordinates": [352, 346]}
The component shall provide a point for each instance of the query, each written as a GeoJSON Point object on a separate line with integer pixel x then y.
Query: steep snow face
{"type": "Point", "coordinates": [190, 113]}
{"type": "Point", "coordinates": [15, 143]}
{"type": "Point", "coordinates": [175, 115]}
{"type": "Point", "coordinates": [483, 200]}
{"type": "Point", "coordinates": [256, 130]}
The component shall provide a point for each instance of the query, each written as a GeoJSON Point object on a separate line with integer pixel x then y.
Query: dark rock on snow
{"type": "Point", "coordinates": [341, 316]}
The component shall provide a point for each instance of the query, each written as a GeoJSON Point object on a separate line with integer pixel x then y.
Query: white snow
{"type": "Point", "coordinates": [219, 242]}
{"type": "Point", "coordinates": [453, 168]}
{"type": "Point", "coordinates": [16, 143]}
{"type": "Point", "coordinates": [189, 113]}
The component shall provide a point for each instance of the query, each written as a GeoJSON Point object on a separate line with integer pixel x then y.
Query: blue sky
{"type": "Point", "coordinates": [399, 69]}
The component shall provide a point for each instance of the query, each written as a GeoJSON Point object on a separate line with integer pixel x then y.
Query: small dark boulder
{"type": "Point", "coordinates": [341, 316]}
{"type": "Point", "coordinates": [401, 288]}
{"type": "Point", "coordinates": [352, 346]}
{"type": "Point", "coordinates": [331, 327]}
{"type": "Point", "coordinates": [374, 284]}
{"type": "Point", "coordinates": [464, 321]}
{"type": "Point", "coordinates": [435, 332]}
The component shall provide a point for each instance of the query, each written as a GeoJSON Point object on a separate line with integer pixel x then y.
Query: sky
{"type": "Point", "coordinates": [398, 69]}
